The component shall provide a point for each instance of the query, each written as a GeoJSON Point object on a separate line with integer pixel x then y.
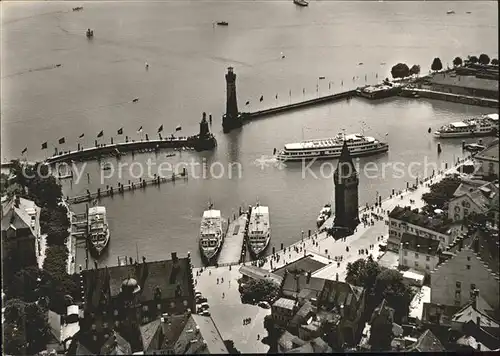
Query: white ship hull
{"type": "Point", "coordinates": [321, 155]}
{"type": "Point", "coordinates": [463, 134]}
{"type": "Point", "coordinates": [211, 235]}
{"type": "Point", "coordinates": [259, 230]}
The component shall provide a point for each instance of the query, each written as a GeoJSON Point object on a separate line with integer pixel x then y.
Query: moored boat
{"type": "Point", "coordinates": [222, 23]}
{"type": "Point", "coordinates": [324, 214]}
{"type": "Point", "coordinates": [98, 229]}
{"type": "Point", "coordinates": [259, 230]}
{"type": "Point", "coordinates": [486, 125]}
{"type": "Point", "coordinates": [474, 147]}
{"type": "Point", "coordinates": [330, 148]}
{"type": "Point", "coordinates": [301, 3]}
{"type": "Point", "coordinates": [211, 234]}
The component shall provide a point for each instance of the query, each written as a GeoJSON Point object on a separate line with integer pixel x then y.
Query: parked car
{"type": "Point", "coordinates": [264, 304]}
{"type": "Point", "coordinates": [204, 306]}
{"type": "Point", "coordinates": [205, 313]}
{"type": "Point", "coordinates": [201, 300]}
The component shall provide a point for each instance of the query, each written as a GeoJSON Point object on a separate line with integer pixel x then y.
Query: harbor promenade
{"type": "Point", "coordinates": [226, 310]}
{"type": "Point", "coordinates": [232, 249]}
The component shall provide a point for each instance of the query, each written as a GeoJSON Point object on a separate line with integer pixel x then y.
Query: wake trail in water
{"type": "Point", "coordinates": [34, 16]}
{"type": "Point", "coordinates": [39, 69]}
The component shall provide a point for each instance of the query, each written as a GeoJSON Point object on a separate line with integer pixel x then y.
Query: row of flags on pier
{"type": "Point", "coordinates": [62, 140]}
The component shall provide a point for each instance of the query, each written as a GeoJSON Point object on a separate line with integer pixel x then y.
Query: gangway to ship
{"type": "Point", "coordinates": [232, 250]}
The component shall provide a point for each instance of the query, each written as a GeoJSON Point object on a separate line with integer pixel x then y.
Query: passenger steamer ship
{"type": "Point", "coordinates": [330, 148]}
{"type": "Point", "coordinates": [98, 229]}
{"type": "Point", "coordinates": [482, 126]}
{"type": "Point", "coordinates": [259, 230]}
{"type": "Point", "coordinates": [211, 234]}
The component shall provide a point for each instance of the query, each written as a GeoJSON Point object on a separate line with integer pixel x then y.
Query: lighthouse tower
{"type": "Point", "coordinates": [346, 192]}
{"type": "Point", "coordinates": [231, 118]}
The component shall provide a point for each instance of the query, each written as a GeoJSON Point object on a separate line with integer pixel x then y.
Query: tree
{"type": "Point", "coordinates": [441, 192]}
{"type": "Point", "coordinates": [494, 62]}
{"type": "Point", "coordinates": [390, 285]}
{"type": "Point", "coordinates": [484, 58]}
{"type": "Point", "coordinates": [415, 69]}
{"type": "Point", "coordinates": [473, 59]}
{"type": "Point", "coordinates": [457, 62]}
{"type": "Point", "coordinates": [436, 64]}
{"type": "Point", "coordinates": [400, 70]}
{"type": "Point", "coordinates": [26, 328]}
{"type": "Point", "coordinates": [363, 273]}
{"type": "Point", "coordinates": [259, 290]}
{"type": "Point", "coordinates": [273, 334]}
{"type": "Point", "coordinates": [231, 348]}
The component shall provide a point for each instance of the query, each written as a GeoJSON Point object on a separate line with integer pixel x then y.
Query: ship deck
{"type": "Point", "coordinates": [230, 253]}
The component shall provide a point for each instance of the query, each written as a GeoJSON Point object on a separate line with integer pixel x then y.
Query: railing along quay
{"type": "Point", "coordinates": [122, 188]}
{"type": "Point", "coordinates": [296, 106]}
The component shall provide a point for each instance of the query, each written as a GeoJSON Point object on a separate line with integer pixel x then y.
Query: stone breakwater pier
{"type": "Point", "coordinates": [200, 142]}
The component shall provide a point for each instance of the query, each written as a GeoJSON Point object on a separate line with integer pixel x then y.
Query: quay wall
{"type": "Point", "coordinates": [300, 105]}
{"type": "Point", "coordinates": [461, 99]}
{"type": "Point", "coordinates": [118, 148]}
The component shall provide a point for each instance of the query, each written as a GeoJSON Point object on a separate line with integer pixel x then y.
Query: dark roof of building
{"type": "Point", "coordinates": [289, 341]}
{"type": "Point", "coordinates": [116, 345]}
{"type": "Point", "coordinates": [172, 329]}
{"type": "Point", "coordinates": [341, 293]}
{"type": "Point", "coordinates": [427, 342]}
{"type": "Point", "coordinates": [148, 332]}
{"type": "Point", "coordinates": [294, 283]}
{"type": "Point", "coordinates": [383, 310]}
{"type": "Point", "coordinates": [316, 346]}
{"type": "Point", "coordinates": [306, 264]}
{"type": "Point", "coordinates": [486, 247]}
{"type": "Point", "coordinates": [409, 216]}
{"type": "Point", "coordinates": [165, 277]}
{"type": "Point", "coordinates": [470, 313]}
{"type": "Point", "coordinates": [303, 313]}
{"type": "Point", "coordinates": [490, 152]}
{"type": "Point", "coordinates": [420, 244]}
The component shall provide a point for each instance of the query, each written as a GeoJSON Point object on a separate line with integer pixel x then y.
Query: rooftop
{"type": "Point", "coordinates": [294, 283]}
{"type": "Point", "coordinates": [406, 214]}
{"type": "Point", "coordinates": [427, 342]}
{"type": "Point", "coordinates": [471, 312]}
{"type": "Point", "coordinates": [284, 303]}
{"type": "Point", "coordinates": [419, 244]}
{"type": "Point", "coordinates": [307, 264]}
{"type": "Point", "coordinates": [255, 272]}
{"type": "Point", "coordinates": [489, 153]}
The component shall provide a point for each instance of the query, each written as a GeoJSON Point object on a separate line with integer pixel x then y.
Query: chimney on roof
{"type": "Point", "coordinates": [17, 201]}
{"type": "Point", "coordinates": [478, 346]}
{"type": "Point", "coordinates": [143, 259]}
{"type": "Point", "coordinates": [475, 245]}
{"type": "Point", "coordinates": [308, 277]}
{"type": "Point", "coordinates": [475, 298]}
{"type": "Point", "coordinates": [174, 256]}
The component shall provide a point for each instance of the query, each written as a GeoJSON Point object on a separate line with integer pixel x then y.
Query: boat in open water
{"type": "Point", "coordinates": [98, 229]}
{"type": "Point", "coordinates": [211, 234]}
{"type": "Point", "coordinates": [302, 3]}
{"type": "Point", "coordinates": [485, 125]}
{"type": "Point", "coordinates": [259, 230]}
{"type": "Point", "coordinates": [330, 148]}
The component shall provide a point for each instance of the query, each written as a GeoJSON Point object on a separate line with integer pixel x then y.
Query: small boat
{"type": "Point", "coordinates": [222, 23]}
{"type": "Point", "coordinates": [324, 214]}
{"type": "Point", "coordinates": [98, 229]}
{"type": "Point", "coordinates": [360, 63]}
{"type": "Point", "coordinates": [90, 33]}
{"type": "Point", "coordinates": [302, 3]}
{"type": "Point", "coordinates": [135, 100]}
{"type": "Point", "coordinates": [170, 155]}
{"type": "Point", "coordinates": [105, 167]}
{"type": "Point", "coordinates": [468, 12]}
{"type": "Point", "coordinates": [259, 230]}
{"type": "Point", "coordinates": [79, 8]}
{"type": "Point", "coordinates": [322, 77]}
{"type": "Point", "coordinates": [450, 12]}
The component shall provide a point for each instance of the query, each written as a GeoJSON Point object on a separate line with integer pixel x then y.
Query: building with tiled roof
{"type": "Point", "coordinates": [18, 240]}
{"type": "Point", "coordinates": [453, 282]}
{"type": "Point", "coordinates": [427, 342]}
{"type": "Point", "coordinates": [488, 161]}
{"type": "Point", "coordinates": [302, 265]}
{"type": "Point", "coordinates": [470, 198]}
{"type": "Point", "coordinates": [257, 273]}
{"type": "Point", "coordinates": [127, 298]}
{"type": "Point", "coordinates": [288, 341]}
{"type": "Point", "coordinates": [316, 346]}
{"type": "Point", "coordinates": [296, 283]}
{"type": "Point", "coordinates": [418, 253]}
{"type": "Point", "coordinates": [405, 220]}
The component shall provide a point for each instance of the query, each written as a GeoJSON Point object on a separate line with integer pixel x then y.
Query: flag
{"type": "Point", "coordinates": [290, 93]}
{"type": "Point", "coordinates": [160, 129]}
{"type": "Point", "coordinates": [44, 145]}
{"type": "Point", "coordinates": [120, 131]}
{"type": "Point", "coordinates": [81, 135]}
{"type": "Point", "coordinates": [62, 140]}
{"type": "Point", "coordinates": [178, 128]}
{"type": "Point", "coordinates": [100, 134]}
{"type": "Point", "coordinates": [24, 151]}
{"type": "Point", "coordinates": [140, 129]}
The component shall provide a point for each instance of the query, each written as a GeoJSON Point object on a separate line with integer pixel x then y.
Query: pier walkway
{"type": "Point", "coordinates": [122, 188]}
{"type": "Point", "coordinates": [300, 105]}
{"type": "Point", "coordinates": [232, 249]}
{"type": "Point", "coordinates": [456, 98]}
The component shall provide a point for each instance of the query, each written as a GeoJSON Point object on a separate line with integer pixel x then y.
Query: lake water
{"type": "Point", "coordinates": [188, 56]}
